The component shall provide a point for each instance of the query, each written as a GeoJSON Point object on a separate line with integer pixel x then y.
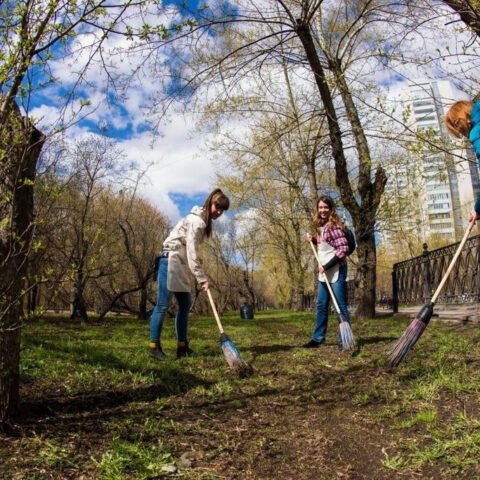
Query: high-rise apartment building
{"type": "Point", "coordinates": [442, 185]}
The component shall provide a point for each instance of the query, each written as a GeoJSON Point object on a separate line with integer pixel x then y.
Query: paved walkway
{"type": "Point", "coordinates": [448, 313]}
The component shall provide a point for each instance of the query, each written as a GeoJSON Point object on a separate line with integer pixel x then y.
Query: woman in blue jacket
{"type": "Point", "coordinates": [463, 120]}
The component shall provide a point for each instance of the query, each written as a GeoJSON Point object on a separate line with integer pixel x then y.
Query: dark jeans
{"type": "Point", "coordinates": [323, 301]}
{"type": "Point", "coordinates": [184, 300]}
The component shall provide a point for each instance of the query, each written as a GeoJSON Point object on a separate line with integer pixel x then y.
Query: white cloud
{"type": "Point", "coordinates": [173, 160]}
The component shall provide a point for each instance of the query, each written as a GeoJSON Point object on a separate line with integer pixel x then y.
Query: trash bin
{"type": "Point", "coordinates": [246, 311]}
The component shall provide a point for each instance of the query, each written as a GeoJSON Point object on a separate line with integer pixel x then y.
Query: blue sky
{"type": "Point", "coordinates": [185, 203]}
{"type": "Point", "coordinates": [179, 172]}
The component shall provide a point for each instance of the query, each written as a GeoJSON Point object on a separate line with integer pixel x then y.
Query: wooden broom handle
{"type": "Point", "coordinates": [452, 263]}
{"type": "Point", "coordinates": [215, 313]}
{"type": "Point", "coordinates": [337, 308]}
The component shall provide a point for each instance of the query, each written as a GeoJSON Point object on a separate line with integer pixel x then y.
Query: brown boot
{"type": "Point", "coordinates": [155, 351]}
{"type": "Point", "coordinates": [183, 350]}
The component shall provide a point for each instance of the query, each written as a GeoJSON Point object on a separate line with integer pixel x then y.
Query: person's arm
{"type": "Point", "coordinates": [474, 138]}
{"type": "Point", "coordinates": [475, 213]}
{"type": "Point", "coordinates": [194, 237]}
{"type": "Point", "coordinates": [331, 263]}
{"type": "Point", "coordinates": [476, 207]}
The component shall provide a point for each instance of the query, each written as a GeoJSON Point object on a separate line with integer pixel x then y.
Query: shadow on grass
{"type": "Point", "coordinates": [263, 349]}
{"type": "Point", "coordinates": [95, 401]}
{"type": "Point", "coordinates": [376, 339]}
{"type": "Point", "coordinates": [92, 412]}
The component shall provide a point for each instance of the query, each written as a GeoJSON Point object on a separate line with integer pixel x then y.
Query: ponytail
{"type": "Point", "coordinates": [221, 201]}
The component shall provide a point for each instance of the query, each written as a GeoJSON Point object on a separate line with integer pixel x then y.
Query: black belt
{"type": "Point", "coordinates": [164, 254]}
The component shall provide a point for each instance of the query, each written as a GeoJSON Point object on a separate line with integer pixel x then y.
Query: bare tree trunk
{"type": "Point", "coordinates": [10, 326]}
{"type": "Point", "coordinates": [366, 279]}
{"type": "Point", "coordinates": [79, 308]}
{"type": "Point", "coordinates": [249, 287]}
{"type": "Point", "coordinates": [297, 298]}
{"type": "Point", "coordinates": [142, 306]}
{"type": "Point", "coordinates": [32, 300]}
{"type": "Point", "coordinates": [20, 145]}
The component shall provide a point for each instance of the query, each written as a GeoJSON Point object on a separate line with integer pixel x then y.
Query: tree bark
{"type": "Point", "coordinates": [20, 146]}
{"type": "Point", "coordinates": [142, 307]}
{"type": "Point", "coordinates": [249, 287]}
{"type": "Point", "coordinates": [79, 308]}
{"type": "Point", "coordinates": [32, 300]}
{"type": "Point", "coordinates": [366, 278]}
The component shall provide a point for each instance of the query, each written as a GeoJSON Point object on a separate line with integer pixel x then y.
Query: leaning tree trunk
{"type": "Point", "coordinates": [20, 147]}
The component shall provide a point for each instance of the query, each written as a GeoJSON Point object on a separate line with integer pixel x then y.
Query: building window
{"type": "Point", "coordinates": [437, 216]}
{"type": "Point", "coordinates": [423, 111]}
{"type": "Point", "coordinates": [441, 226]}
{"type": "Point", "coordinates": [422, 103]}
{"type": "Point", "coordinates": [439, 206]}
{"type": "Point", "coordinates": [438, 196]}
{"type": "Point", "coordinates": [425, 118]}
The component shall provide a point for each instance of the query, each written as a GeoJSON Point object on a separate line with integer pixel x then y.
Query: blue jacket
{"type": "Point", "coordinates": [474, 137]}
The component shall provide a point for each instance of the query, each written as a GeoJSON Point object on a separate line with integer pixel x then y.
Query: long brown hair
{"type": "Point", "coordinates": [457, 118]}
{"type": "Point", "coordinates": [334, 220]}
{"type": "Point", "coordinates": [220, 200]}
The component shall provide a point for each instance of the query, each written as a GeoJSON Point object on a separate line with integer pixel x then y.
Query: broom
{"type": "Point", "coordinates": [346, 334]}
{"type": "Point", "coordinates": [232, 355]}
{"type": "Point", "coordinates": [414, 331]}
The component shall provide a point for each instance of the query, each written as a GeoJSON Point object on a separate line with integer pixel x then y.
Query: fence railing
{"type": "Point", "coordinates": [415, 280]}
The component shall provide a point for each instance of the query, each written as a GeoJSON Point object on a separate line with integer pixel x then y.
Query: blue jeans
{"type": "Point", "coordinates": [184, 300]}
{"type": "Point", "coordinates": [323, 301]}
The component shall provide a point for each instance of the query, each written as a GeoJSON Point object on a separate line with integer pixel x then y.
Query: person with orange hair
{"type": "Point", "coordinates": [463, 120]}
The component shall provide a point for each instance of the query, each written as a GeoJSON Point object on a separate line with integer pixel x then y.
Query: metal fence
{"type": "Point", "coordinates": [415, 280]}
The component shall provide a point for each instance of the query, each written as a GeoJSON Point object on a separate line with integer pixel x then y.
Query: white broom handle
{"type": "Point", "coordinates": [452, 263]}
{"type": "Point", "coordinates": [337, 308]}
{"type": "Point", "coordinates": [215, 313]}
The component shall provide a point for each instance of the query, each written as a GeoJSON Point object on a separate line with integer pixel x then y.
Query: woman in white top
{"type": "Point", "coordinates": [178, 259]}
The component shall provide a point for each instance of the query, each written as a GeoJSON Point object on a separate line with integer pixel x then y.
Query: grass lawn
{"type": "Point", "coordinates": [96, 406]}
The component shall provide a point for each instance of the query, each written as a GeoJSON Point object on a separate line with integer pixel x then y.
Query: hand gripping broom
{"type": "Point", "coordinates": [414, 331]}
{"type": "Point", "coordinates": [346, 334]}
{"type": "Point", "coordinates": [232, 355]}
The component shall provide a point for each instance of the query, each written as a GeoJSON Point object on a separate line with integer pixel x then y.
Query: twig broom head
{"type": "Point", "coordinates": [410, 336]}
{"type": "Point", "coordinates": [346, 334]}
{"type": "Point", "coordinates": [416, 328]}
{"type": "Point", "coordinates": [233, 357]}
